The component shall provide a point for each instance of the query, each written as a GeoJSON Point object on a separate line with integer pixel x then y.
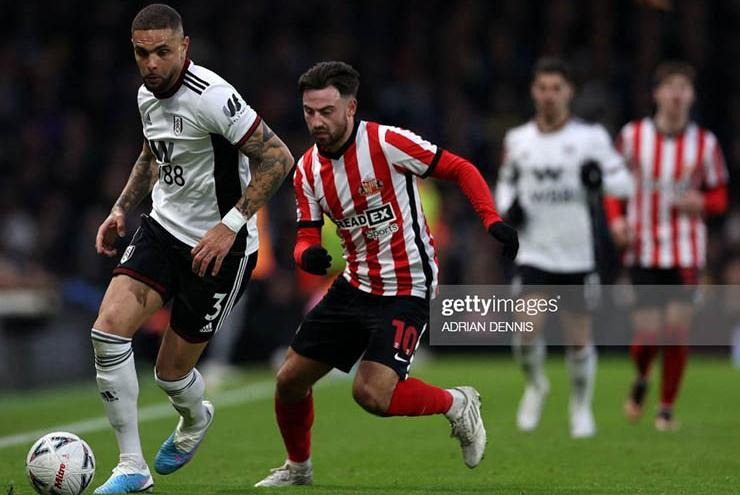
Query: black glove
{"type": "Point", "coordinates": [315, 260]}
{"type": "Point", "coordinates": [506, 235]}
{"type": "Point", "coordinates": [591, 176]}
{"type": "Point", "coordinates": [515, 215]}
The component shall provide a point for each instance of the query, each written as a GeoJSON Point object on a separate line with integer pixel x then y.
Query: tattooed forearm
{"type": "Point", "coordinates": [140, 182]}
{"type": "Point", "coordinates": [270, 162]}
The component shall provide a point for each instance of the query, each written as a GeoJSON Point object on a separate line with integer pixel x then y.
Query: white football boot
{"type": "Point", "coordinates": [530, 407]}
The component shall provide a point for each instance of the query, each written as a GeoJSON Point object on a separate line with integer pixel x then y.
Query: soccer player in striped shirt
{"type": "Point", "coordinates": [680, 178]}
{"type": "Point", "coordinates": [363, 175]}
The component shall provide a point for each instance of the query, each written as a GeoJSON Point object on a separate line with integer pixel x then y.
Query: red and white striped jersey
{"type": "Point", "coordinates": [368, 189]}
{"type": "Point", "coordinates": [665, 167]}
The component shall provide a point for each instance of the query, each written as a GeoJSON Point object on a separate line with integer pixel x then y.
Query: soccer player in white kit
{"type": "Point", "coordinates": [549, 164]}
{"type": "Point", "coordinates": [210, 163]}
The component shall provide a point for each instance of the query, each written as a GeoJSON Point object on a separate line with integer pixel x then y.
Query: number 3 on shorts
{"type": "Point", "coordinates": [219, 297]}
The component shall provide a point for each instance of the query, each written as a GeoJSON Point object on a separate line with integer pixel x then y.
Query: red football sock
{"type": "Point", "coordinates": [643, 350]}
{"type": "Point", "coordinates": [295, 421]}
{"type": "Point", "coordinates": [674, 363]}
{"type": "Point", "coordinates": [413, 397]}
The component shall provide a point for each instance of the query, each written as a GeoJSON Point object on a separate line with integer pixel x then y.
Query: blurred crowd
{"type": "Point", "coordinates": [457, 73]}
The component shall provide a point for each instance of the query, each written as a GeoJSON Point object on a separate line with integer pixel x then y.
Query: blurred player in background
{"type": "Point", "coordinates": [680, 177]}
{"type": "Point", "coordinates": [551, 165]}
{"type": "Point", "coordinates": [363, 176]}
{"type": "Point", "coordinates": [197, 247]}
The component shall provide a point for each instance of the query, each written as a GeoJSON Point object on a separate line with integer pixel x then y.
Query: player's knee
{"type": "Point", "coordinates": [112, 319]}
{"type": "Point", "coordinates": [371, 398]}
{"type": "Point", "coordinates": [289, 386]}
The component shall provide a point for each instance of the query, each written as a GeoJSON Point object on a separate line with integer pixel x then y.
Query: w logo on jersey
{"type": "Point", "coordinates": [162, 150]}
{"type": "Point", "coordinates": [542, 174]}
{"type": "Point", "coordinates": [233, 106]}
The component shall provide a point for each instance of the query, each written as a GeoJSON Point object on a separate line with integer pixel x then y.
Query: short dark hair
{"type": "Point", "coordinates": [157, 16]}
{"type": "Point", "coordinates": [669, 68]}
{"type": "Point", "coordinates": [341, 75]}
{"type": "Point", "coordinates": [552, 65]}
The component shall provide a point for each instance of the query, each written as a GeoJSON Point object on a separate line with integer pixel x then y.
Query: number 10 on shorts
{"type": "Point", "coordinates": [405, 338]}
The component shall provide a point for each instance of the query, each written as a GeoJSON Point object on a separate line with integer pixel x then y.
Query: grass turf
{"type": "Point", "coordinates": [355, 453]}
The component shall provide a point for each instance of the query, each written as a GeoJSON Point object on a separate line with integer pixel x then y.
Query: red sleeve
{"type": "Point", "coordinates": [613, 208]}
{"type": "Point", "coordinates": [715, 200]}
{"type": "Point", "coordinates": [306, 237]}
{"type": "Point", "coordinates": [454, 168]}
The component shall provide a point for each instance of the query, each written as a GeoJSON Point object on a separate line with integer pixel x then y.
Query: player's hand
{"type": "Point", "coordinates": [112, 227]}
{"type": "Point", "coordinates": [691, 202]}
{"type": "Point", "coordinates": [591, 176]}
{"type": "Point", "coordinates": [506, 235]}
{"type": "Point", "coordinates": [620, 231]}
{"type": "Point", "coordinates": [316, 260]}
{"type": "Point", "coordinates": [215, 245]}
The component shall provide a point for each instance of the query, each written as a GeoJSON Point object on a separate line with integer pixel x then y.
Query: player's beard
{"type": "Point", "coordinates": [330, 141]}
{"type": "Point", "coordinates": [164, 83]}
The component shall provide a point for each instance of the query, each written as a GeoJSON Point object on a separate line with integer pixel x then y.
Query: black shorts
{"type": "Point", "coordinates": [576, 300]}
{"type": "Point", "coordinates": [348, 322]}
{"type": "Point", "coordinates": [200, 305]}
{"type": "Point", "coordinates": [683, 282]}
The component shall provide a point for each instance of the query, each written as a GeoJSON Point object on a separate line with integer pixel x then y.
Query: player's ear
{"type": "Point", "coordinates": [352, 107]}
{"type": "Point", "coordinates": [185, 44]}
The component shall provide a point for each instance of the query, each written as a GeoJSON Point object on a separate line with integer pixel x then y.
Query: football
{"type": "Point", "coordinates": [60, 463]}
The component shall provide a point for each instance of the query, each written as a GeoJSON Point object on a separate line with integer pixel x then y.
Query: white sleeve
{"type": "Point", "coordinates": [221, 110]}
{"type": "Point", "coordinates": [408, 151]}
{"type": "Point", "coordinates": [617, 179]}
{"type": "Point", "coordinates": [507, 178]}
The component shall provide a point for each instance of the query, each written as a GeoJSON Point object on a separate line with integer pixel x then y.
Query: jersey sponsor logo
{"type": "Point", "coordinates": [162, 150]}
{"type": "Point", "coordinates": [382, 232]}
{"type": "Point", "coordinates": [234, 109]}
{"type": "Point", "coordinates": [370, 186]}
{"type": "Point", "coordinates": [369, 218]}
{"type": "Point", "coordinates": [127, 254]}
{"type": "Point", "coordinates": [547, 173]}
{"type": "Point", "coordinates": [554, 196]}
{"type": "Point", "coordinates": [177, 125]}
{"type": "Point", "coordinates": [207, 328]}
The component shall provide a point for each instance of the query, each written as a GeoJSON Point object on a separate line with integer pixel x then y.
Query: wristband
{"type": "Point", "coordinates": [234, 220]}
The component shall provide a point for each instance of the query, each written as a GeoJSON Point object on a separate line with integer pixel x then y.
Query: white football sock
{"type": "Point", "coordinates": [186, 395]}
{"type": "Point", "coordinates": [531, 358]}
{"type": "Point", "coordinates": [119, 388]}
{"type": "Point", "coordinates": [458, 400]}
{"type": "Point", "coordinates": [582, 370]}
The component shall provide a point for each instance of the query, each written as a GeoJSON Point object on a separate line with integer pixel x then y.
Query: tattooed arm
{"type": "Point", "coordinates": [270, 162]}
{"type": "Point", "coordinates": [140, 183]}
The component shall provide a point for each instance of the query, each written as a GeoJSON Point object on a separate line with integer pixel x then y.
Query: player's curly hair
{"type": "Point", "coordinates": [341, 75]}
{"type": "Point", "coordinates": [157, 16]}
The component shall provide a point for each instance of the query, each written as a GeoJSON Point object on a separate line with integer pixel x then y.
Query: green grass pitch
{"type": "Point", "coordinates": [355, 453]}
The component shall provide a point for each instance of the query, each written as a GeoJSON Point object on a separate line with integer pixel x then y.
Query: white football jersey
{"type": "Point", "coordinates": [195, 130]}
{"type": "Point", "coordinates": [544, 171]}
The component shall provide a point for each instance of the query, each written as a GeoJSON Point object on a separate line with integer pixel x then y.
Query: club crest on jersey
{"type": "Point", "coordinates": [177, 125]}
{"type": "Point", "coordinates": [370, 186]}
{"type": "Point", "coordinates": [127, 254]}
